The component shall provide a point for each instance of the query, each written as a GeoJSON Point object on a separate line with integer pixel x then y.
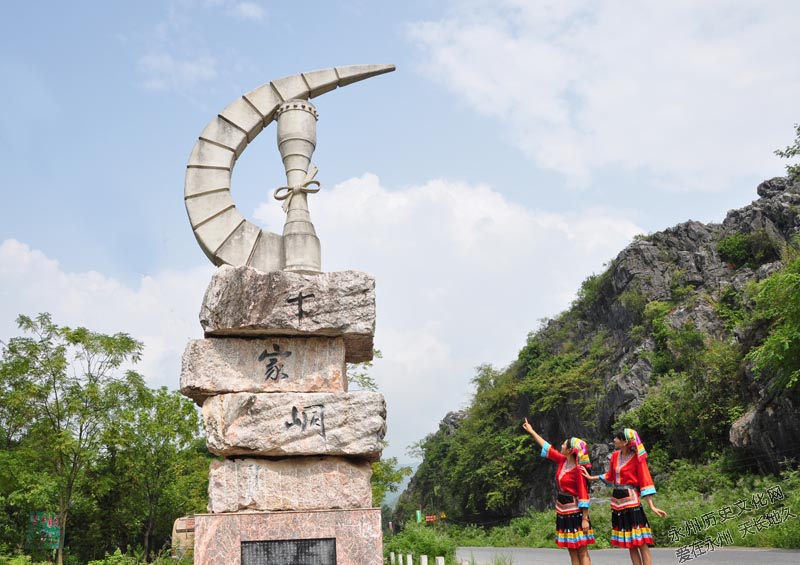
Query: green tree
{"type": "Point", "coordinates": [153, 440]}
{"type": "Point", "coordinates": [387, 474]}
{"type": "Point", "coordinates": [69, 386]}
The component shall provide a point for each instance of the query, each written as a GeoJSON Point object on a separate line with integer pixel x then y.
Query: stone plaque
{"type": "Point", "coordinates": [290, 552]}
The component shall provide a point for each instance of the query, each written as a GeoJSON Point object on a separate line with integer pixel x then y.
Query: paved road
{"type": "Point", "coordinates": [661, 556]}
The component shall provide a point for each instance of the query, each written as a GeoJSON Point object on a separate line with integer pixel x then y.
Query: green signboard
{"type": "Point", "coordinates": [43, 531]}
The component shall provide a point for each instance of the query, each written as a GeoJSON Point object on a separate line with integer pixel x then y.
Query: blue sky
{"type": "Point", "coordinates": [518, 147]}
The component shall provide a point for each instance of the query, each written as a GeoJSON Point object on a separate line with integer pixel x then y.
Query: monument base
{"type": "Point", "coordinates": [357, 533]}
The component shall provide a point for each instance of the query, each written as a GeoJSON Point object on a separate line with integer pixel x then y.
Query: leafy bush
{"type": "Point", "coordinates": [751, 250]}
{"type": "Point", "coordinates": [17, 560]}
{"type": "Point", "coordinates": [470, 535]}
{"type": "Point", "coordinates": [731, 308]}
{"type": "Point", "coordinates": [136, 557]}
{"type": "Point", "coordinates": [421, 539]}
{"type": "Point", "coordinates": [778, 302]}
{"type": "Point", "coordinates": [592, 289]}
{"type": "Point", "coordinates": [695, 496]}
{"type": "Point", "coordinates": [634, 302]}
{"type": "Point", "coordinates": [116, 558]}
{"type": "Point", "coordinates": [733, 249]}
{"type": "Point", "coordinates": [559, 378]}
{"type": "Point", "coordinates": [701, 376]}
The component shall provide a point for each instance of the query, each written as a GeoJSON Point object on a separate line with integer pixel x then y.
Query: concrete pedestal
{"type": "Point", "coordinates": [219, 537]}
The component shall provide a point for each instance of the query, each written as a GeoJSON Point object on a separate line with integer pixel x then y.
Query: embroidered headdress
{"type": "Point", "coordinates": [633, 438]}
{"type": "Point", "coordinates": [581, 451]}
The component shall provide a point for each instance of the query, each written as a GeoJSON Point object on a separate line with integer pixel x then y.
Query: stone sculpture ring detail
{"type": "Point", "coordinates": [224, 235]}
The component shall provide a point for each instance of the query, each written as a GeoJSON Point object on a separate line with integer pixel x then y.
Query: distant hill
{"type": "Point", "coordinates": [667, 340]}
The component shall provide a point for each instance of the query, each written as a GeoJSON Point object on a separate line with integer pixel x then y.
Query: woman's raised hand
{"type": "Point", "coordinates": [527, 427]}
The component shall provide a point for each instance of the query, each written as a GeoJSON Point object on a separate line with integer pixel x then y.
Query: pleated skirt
{"type": "Point", "coordinates": [629, 527]}
{"type": "Point", "coordinates": [568, 523]}
{"type": "Point", "coordinates": [569, 533]}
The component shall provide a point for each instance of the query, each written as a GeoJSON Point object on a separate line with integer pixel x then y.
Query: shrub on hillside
{"type": "Point", "coordinates": [751, 250]}
{"type": "Point", "coordinates": [421, 539]}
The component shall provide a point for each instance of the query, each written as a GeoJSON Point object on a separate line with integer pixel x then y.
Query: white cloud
{"type": "Point", "coordinates": [247, 11]}
{"type": "Point", "coordinates": [689, 92]}
{"type": "Point", "coordinates": [243, 10]}
{"type": "Point", "coordinates": [164, 71]}
{"type": "Point", "coordinates": [162, 311]}
{"type": "Point", "coordinates": [176, 55]}
{"type": "Point", "coordinates": [462, 275]}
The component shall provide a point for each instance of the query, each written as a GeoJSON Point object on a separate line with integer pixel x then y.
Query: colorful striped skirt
{"type": "Point", "coordinates": [629, 525]}
{"type": "Point", "coordinates": [568, 524]}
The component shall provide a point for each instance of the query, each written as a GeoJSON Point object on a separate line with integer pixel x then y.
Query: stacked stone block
{"type": "Point", "coordinates": [270, 377]}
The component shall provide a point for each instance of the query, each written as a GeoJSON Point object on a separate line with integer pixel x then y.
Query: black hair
{"type": "Point", "coordinates": [620, 435]}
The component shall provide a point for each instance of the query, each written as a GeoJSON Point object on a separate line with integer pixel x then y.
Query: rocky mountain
{"type": "Point", "coordinates": [687, 257]}
{"type": "Point", "coordinates": [659, 341]}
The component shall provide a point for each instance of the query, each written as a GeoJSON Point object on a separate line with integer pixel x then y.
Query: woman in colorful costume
{"type": "Point", "coordinates": [573, 529]}
{"type": "Point", "coordinates": [630, 477]}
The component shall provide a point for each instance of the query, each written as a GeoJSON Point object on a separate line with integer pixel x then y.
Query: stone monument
{"type": "Point", "coordinates": [293, 484]}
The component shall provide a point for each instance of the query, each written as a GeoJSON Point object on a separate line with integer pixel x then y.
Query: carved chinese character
{"type": "Point", "coordinates": [276, 361]}
{"type": "Point", "coordinates": [299, 299]}
{"type": "Point", "coordinates": [316, 417]}
{"type": "Point", "coordinates": [313, 416]}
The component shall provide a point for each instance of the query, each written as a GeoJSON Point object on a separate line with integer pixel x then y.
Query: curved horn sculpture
{"type": "Point", "coordinates": [224, 235]}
